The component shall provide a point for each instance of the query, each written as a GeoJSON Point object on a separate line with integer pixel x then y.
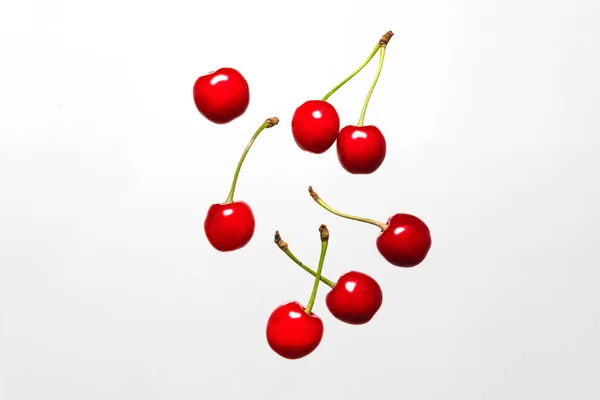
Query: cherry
{"type": "Point", "coordinates": [230, 225]}
{"type": "Point", "coordinates": [404, 240]}
{"type": "Point", "coordinates": [315, 126]}
{"type": "Point", "coordinates": [361, 149]}
{"type": "Point", "coordinates": [293, 331]}
{"type": "Point", "coordinates": [316, 123]}
{"type": "Point", "coordinates": [222, 95]}
{"type": "Point", "coordinates": [354, 299]}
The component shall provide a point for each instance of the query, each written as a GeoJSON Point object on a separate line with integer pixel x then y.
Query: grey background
{"type": "Point", "coordinates": [109, 289]}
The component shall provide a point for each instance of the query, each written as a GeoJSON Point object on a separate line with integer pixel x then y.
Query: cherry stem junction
{"type": "Point", "coordinates": [320, 202]}
{"type": "Point", "coordinates": [365, 105]}
{"type": "Point", "coordinates": [284, 247]}
{"type": "Point", "coordinates": [382, 43]}
{"type": "Point", "coordinates": [324, 242]}
{"type": "Point", "coordinates": [269, 123]}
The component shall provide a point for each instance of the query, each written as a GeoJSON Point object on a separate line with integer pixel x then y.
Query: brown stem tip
{"type": "Point", "coordinates": [271, 122]}
{"type": "Point", "coordinates": [324, 233]}
{"type": "Point", "coordinates": [386, 38]}
{"type": "Point", "coordinates": [313, 194]}
{"type": "Point", "coordinates": [279, 242]}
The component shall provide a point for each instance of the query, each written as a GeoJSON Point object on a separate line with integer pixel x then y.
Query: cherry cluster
{"type": "Point", "coordinates": [294, 331]}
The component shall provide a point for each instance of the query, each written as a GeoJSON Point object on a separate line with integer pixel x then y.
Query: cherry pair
{"type": "Point", "coordinates": [294, 331]}
{"type": "Point", "coordinates": [316, 126]}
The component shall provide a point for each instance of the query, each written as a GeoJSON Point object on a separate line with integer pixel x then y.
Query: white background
{"type": "Point", "coordinates": [110, 290]}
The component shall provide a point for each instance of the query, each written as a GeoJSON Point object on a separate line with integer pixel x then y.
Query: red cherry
{"type": "Point", "coordinates": [222, 95]}
{"type": "Point", "coordinates": [355, 298]}
{"type": "Point", "coordinates": [292, 333]}
{"type": "Point", "coordinates": [405, 241]}
{"type": "Point", "coordinates": [361, 149]}
{"type": "Point", "coordinates": [315, 126]}
{"type": "Point", "coordinates": [229, 226]}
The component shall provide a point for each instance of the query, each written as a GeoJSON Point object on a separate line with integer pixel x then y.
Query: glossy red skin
{"type": "Point", "coordinates": [229, 227]}
{"type": "Point", "coordinates": [292, 333]}
{"type": "Point", "coordinates": [355, 298]}
{"type": "Point", "coordinates": [222, 95]}
{"type": "Point", "coordinates": [361, 150]}
{"type": "Point", "coordinates": [405, 242]}
{"type": "Point", "coordinates": [315, 126]}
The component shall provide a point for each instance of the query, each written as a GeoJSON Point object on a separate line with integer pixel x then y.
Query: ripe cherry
{"type": "Point", "coordinates": [222, 95]}
{"type": "Point", "coordinates": [230, 225]}
{"type": "Point", "coordinates": [315, 126]}
{"type": "Point", "coordinates": [361, 149]}
{"type": "Point", "coordinates": [354, 299]}
{"type": "Point", "coordinates": [316, 123]}
{"type": "Point", "coordinates": [293, 331]}
{"type": "Point", "coordinates": [404, 240]}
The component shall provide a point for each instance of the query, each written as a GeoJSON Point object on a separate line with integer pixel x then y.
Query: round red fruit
{"type": "Point", "coordinates": [361, 149]}
{"type": "Point", "coordinates": [355, 298]}
{"type": "Point", "coordinates": [229, 226]}
{"type": "Point", "coordinates": [405, 242]}
{"type": "Point", "coordinates": [222, 95]}
{"type": "Point", "coordinates": [315, 126]}
{"type": "Point", "coordinates": [292, 333]}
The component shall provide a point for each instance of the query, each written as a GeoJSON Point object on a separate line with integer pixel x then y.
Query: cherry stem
{"type": "Point", "coordinates": [320, 202]}
{"type": "Point", "coordinates": [382, 43]}
{"type": "Point", "coordinates": [269, 123]}
{"type": "Point", "coordinates": [324, 242]}
{"type": "Point", "coordinates": [364, 64]}
{"type": "Point", "coordinates": [364, 109]}
{"type": "Point", "coordinates": [284, 247]}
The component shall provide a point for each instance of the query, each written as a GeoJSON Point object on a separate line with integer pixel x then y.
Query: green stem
{"type": "Point", "coordinates": [364, 109]}
{"type": "Point", "coordinates": [382, 43]}
{"type": "Point", "coordinates": [320, 202]}
{"type": "Point", "coordinates": [284, 247]}
{"type": "Point", "coordinates": [342, 83]}
{"type": "Point", "coordinates": [269, 123]}
{"type": "Point", "coordinates": [324, 243]}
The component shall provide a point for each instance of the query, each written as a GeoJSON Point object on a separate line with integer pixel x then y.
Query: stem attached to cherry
{"type": "Point", "coordinates": [364, 109]}
{"type": "Point", "coordinates": [320, 202]}
{"type": "Point", "coordinates": [324, 242]}
{"type": "Point", "coordinates": [269, 123]}
{"type": "Point", "coordinates": [284, 247]}
{"type": "Point", "coordinates": [382, 43]}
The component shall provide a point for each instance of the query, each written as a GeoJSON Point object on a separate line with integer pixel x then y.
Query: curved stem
{"type": "Point", "coordinates": [284, 247]}
{"type": "Point", "coordinates": [342, 83]}
{"type": "Point", "coordinates": [382, 43]}
{"type": "Point", "coordinates": [364, 109]}
{"type": "Point", "coordinates": [269, 123]}
{"type": "Point", "coordinates": [324, 243]}
{"type": "Point", "coordinates": [320, 202]}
